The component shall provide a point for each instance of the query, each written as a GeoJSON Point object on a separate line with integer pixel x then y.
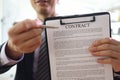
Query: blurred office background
{"type": "Point", "coordinates": [16, 10]}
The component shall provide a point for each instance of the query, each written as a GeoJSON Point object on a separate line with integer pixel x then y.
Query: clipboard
{"type": "Point", "coordinates": [68, 44]}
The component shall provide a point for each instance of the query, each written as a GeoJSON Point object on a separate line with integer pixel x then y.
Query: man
{"type": "Point", "coordinates": [25, 39]}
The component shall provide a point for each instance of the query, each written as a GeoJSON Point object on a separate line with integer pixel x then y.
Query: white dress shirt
{"type": "Point", "coordinates": [5, 60]}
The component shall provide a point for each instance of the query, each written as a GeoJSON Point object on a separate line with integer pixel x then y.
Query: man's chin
{"type": "Point", "coordinates": [45, 13]}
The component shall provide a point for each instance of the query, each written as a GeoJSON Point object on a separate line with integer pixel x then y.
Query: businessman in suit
{"type": "Point", "coordinates": [25, 40]}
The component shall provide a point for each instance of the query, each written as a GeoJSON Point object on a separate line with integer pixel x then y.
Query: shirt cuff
{"type": "Point", "coordinates": [4, 60]}
{"type": "Point", "coordinates": [117, 74]}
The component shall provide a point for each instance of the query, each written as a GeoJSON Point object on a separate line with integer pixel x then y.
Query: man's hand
{"type": "Point", "coordinates": [24, 37]}
{"type": "Point", "coordinates": [110, 49]}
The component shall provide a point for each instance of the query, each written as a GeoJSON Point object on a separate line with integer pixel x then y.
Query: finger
{"type": "Point", "coordinates": [27, 36]}
{"type": "Point", "coordinates": [105, 60]}
{"type": "Point", "coordinates": [24, 26]}
{"type": "Point", "coordinates": [107, 53]}
{"type": "Point", "coordinates": [105, 41]}
{"type": "Point", "coordinates": [31, 34]}
{"type": "Point", "coordinates": [114, 62]}
{"type": "Point", "coordinates": [113, 41]}
{"type": "Point", "coordinates": [101, 47]}
{"type": "Point", "coordinates": [104, 47]}
{"type": "Point", "coordinates": [30, 45]}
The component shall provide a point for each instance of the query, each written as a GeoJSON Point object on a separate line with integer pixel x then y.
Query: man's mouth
{"type": "Point", "coordinates": [43, 1]}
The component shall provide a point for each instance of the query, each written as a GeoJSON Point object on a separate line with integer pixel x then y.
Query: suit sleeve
{"type": "Point", "coordinates": [117, 75]}
{"type": "Point", "coordinates": [3, 68]}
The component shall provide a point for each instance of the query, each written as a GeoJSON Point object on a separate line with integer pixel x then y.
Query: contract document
{"type": "Point", "coordinates": [68, 46]}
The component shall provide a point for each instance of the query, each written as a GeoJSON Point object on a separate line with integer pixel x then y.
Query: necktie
{"type": "Point", "coordinates": [43, 71]}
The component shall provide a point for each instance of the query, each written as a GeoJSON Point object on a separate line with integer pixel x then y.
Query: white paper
{"type": "Point", "coordinates": [68, 50]}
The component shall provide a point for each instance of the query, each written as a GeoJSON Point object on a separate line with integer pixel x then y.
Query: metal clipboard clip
{"type": "Point", "coordinates": [79, 19]}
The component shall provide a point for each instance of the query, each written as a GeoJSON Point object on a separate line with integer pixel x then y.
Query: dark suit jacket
{"type": "Point", "coordinates": [24, 68]}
